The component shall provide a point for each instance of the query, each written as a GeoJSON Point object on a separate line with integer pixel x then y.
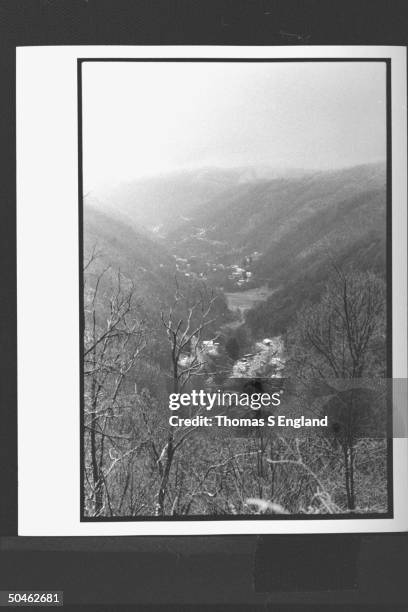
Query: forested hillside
{"type": "Point", "coordinates": [119, 255]}
{"type": "Point", "coordinates": [162, 203]}
{"type": "Point", "coordinates": [254, 215]}
{"type": "Point", "coordinates": [139, 257]}
{"type": "Point", "coordinates": [194, 281]}
{"type": "Point", "coordinates": [351, 233]}
{"type": "Point", "coordinates": [292, 231]}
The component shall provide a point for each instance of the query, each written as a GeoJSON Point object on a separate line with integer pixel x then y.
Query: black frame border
{"type": "Point", "coordinates": [222, 518]}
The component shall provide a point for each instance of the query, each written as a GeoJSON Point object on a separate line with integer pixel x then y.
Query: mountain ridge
{"type": "Point", "coordinates": [298, 227]}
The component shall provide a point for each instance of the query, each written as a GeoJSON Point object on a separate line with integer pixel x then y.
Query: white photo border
{"type": "Point", "coordinates": [48, 281]}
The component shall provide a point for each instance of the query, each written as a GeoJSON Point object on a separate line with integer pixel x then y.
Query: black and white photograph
{"type": "Point", "coordinates": [235, 219]}
{"type": "Point", "coordinates": [205, 319]}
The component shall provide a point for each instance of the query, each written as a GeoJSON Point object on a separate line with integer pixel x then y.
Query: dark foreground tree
{"type": "Point", "coordinates": [339, 341]}
{"type": "Point", "coordinates": [114, 337]}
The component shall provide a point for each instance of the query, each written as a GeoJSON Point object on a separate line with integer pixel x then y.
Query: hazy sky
{"type": "Point", "coordinates": [149, 118]}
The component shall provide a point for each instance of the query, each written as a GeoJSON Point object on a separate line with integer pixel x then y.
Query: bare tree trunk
{"type": "Point", "coordinates": [349, 475]}
{"type": "Point", "coordinates": [352, 497]}
{"type": "Point", "coordinates": [165, 477]}
{"type": "Point", "coordinates": [96, 475]}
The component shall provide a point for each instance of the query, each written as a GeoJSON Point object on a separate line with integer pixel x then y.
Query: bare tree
{"type": "Point", "coordinates": [186, 360]}
{"type": "Point", "coordinates": [114, 338]}
{"type": "Point", "coordinates": [343, 339]}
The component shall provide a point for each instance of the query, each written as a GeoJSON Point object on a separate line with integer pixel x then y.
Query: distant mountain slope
{"type": "Point", "coordinates": [300, 227]}
{"type": "Point", "coordinates": [349, 233]}
{"type": "Point", "coordinates": [163, 203]}
{"type": "Point", "coordinates": [252, 216]}
{"type": "Point", "coordinates": [140, 259]}
{"type": "Point", "coordinates": [144, 263]}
